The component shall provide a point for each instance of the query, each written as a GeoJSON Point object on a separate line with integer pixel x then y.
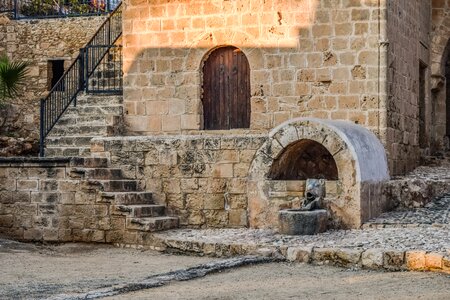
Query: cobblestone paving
{"type": "Point", "coordinates": [427, 238]}
{"type": "Point", "coordinates": [436, 212]}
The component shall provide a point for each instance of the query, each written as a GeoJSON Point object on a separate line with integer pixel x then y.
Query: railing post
{"type": "Point", "coordinates": [81, 71]}
{"type": "Point", "coordinates": [42, 129]}
{"type": "Point", "coordinates": [86, 69]}
{"type": "Point", "coordinates": [15, 9]}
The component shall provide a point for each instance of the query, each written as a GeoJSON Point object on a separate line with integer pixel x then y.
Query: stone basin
{"type": "Point", "coordinates": [300, 222]}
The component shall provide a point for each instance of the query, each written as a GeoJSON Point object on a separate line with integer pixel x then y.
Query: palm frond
{"type": "Point", "coordinates": [12, 77]}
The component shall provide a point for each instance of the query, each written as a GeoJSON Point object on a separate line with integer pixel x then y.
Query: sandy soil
{"type": "Point", "coordinates": [300, 281]}
{"type": "Point", "coordinates": [31, 272]}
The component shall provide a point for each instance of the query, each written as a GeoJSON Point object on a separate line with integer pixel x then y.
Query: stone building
{"type": "Point", "coordinates": [228, 106]}
{"type": "Point", "coordinates": [43, 43]}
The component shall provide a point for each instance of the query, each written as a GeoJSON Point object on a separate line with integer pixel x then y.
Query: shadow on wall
{"type": "Point", "coordinates": [296, 69]}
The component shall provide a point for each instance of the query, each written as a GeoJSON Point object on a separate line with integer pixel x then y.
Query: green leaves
{"type": "Point", "coordinates": [12, 77]}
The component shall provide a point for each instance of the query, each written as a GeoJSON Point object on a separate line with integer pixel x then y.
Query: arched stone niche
{"type": "Point", "coordinates": [353, 198]}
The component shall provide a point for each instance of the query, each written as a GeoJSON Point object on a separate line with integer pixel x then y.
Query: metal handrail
{"type": "Point", "coordinates": [74, 79]}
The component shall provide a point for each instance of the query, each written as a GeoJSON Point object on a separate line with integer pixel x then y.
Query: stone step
{"type": "Point", "coordinates": [139, 211]}
{"type": "Point", "coordinates": [69, 141]}
{"type": "Point", "coordinates": [89, 162]}
{"type": "Point", "coordinates": [113, 72]}
{"type": "Point", "coordinates": [114, 185]}
{"type": "Point", "coordinates": [91, 130]}
{"type": "Point", "coordinates": [74, 119]}
{"type": "Point", "coordinates": [55, 151]}
{"type": "Point", "coordinates": [90, 100]}
{"type": "Point", "coordinates": [128, 198]}
{"type": "Point", "coordinates": [97, 173]}
{"type": "Point", "coordinates": [93, 110]}
{"type": "Point", "coordinates": [152, 224]}
{"type": "Point", "coordinates": [105, 84]}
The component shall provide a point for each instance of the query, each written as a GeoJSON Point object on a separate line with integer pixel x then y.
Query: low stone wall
{"type": "Point", "coordinates": [44, 200]}
{"type": "Point", "coordinates": [202, 178]}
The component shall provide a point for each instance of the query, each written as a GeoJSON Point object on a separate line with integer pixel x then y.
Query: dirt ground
{"type": "Point", "coordinates": [30, 272]}
{"type": "Point", "coordinates": [300, 281]}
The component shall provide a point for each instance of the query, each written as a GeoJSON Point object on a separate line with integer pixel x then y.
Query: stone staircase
{"type": "Point", "coordinates": [125, 196]}
{"type": "Point", "coordinates": [94, 116]}
{"type": "Point", "coordinates": [99, 116]}
{"type": "Point", "coordinates": [108, 74]}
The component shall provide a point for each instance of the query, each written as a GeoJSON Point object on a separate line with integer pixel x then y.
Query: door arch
{"type": "Point", "coordinates": [226, 89]}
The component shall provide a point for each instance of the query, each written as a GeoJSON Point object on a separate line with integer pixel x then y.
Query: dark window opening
{"type": "Point", "coordinates": [422, 106]}
{"type": "Point", "coordinates": [226, 89]}
{"type": "Point", "coordinates": [302, 160]}
{"type": "Point", "coordinates": [55, 72]}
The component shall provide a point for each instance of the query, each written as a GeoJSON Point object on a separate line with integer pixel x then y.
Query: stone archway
{"type": "Point", "coordinates": [360, 159]}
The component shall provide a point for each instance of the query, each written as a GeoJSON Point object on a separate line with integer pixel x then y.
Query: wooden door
{"type": "Point", "coordinates": [226, 89]}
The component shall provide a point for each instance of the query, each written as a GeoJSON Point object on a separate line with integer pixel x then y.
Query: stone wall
{"type": "Point", "coordinates": [45, 200]}
{"type": "Point", "coordinates": [75, 200]}
{"type": "Point", "coordinates": [307, 58]}
{"type": "Point", "coordinates": [37, 42]}
{"type": "Point", "coordinates": [216, 180]}
{"type": "Point", "coordinates": [201, 179]}
{"type": "Point", "coordinates": [408, 35]}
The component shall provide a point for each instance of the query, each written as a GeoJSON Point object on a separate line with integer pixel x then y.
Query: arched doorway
{"type": "Point", "coordinates": [226, 89]}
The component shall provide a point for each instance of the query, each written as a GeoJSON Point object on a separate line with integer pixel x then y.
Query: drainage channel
{"type": "Point", "coordinates": [166, 278]}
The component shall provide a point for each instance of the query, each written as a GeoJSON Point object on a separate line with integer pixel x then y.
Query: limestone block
{"type": "Point", "coordinates": [238, 217]}
{"type": "Point", "coordinates": [222, 170]}
{"type": "Point", "coordinates": [196, 217]}
{"type": "Point", "coordinates": [394, 260]}
{"type": "Point", "coordinates": [216, 218]}
{"type": "Point", "coordinates": [299, 254]}
{"type": "Point", "coordinates": [213, 201]}
{"type": "Point", "coordinates": [348, 257]}
{"type": "Point", "coordinates": [323, 255]}
{"type": "Point", "coordinates": [372, 258]}
{"type": "Point", "coordinates": [194, 201]}
{"type": "Point", "coordinates": [433, 261]}
{"type": "Point", "coordinates": [415, 260]}
{"type": "Point", "coordinates": [32, 234]}
{"type": "Point", "coordinates": [27, 185]}
{"type": "Point", "coordinates": [6, 221]}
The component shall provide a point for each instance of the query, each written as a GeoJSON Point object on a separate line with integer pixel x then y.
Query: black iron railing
{"type": "Point", "coordinates": [105, 76]}
{"type": "Point", "coordinates": [25, 9]}
{"type": "Point", "coordinates": [76, 77]}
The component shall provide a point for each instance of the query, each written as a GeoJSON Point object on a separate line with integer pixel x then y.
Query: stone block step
{"type": "Point", "coordinates": [139, 211]}
{"type": "Point", "coordinates": [97, 173]}
{"type": "Point", "coordinates": [54, 151]}
{"type": "Point", "coordinates": [69, 141]}
{"type": "Point", "coordinates": [114, 185]}
{"type": "Point", "coordinates": [97, 110]}
{"type": "Point", "coordinates": [91, 130]}
{"type": "Point", "coordinates": [74, 119]}
{"type": "Point", "coordinates": [128, 198]}
{"type": "Point", "coordinates": [91, 100]}
{"type": "Point", "coordinates": [89, 162]}
{"type": "Point", "coordinates": [152, 224]}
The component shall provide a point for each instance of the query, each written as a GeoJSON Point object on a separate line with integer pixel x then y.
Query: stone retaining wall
{"type": "Point", "coordinates": [202, 179]}
{"type": "Point", "coordinates": [44, 200]}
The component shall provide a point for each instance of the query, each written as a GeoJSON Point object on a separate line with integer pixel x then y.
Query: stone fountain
{"type": "Point", "coordinates": [310, 218]}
